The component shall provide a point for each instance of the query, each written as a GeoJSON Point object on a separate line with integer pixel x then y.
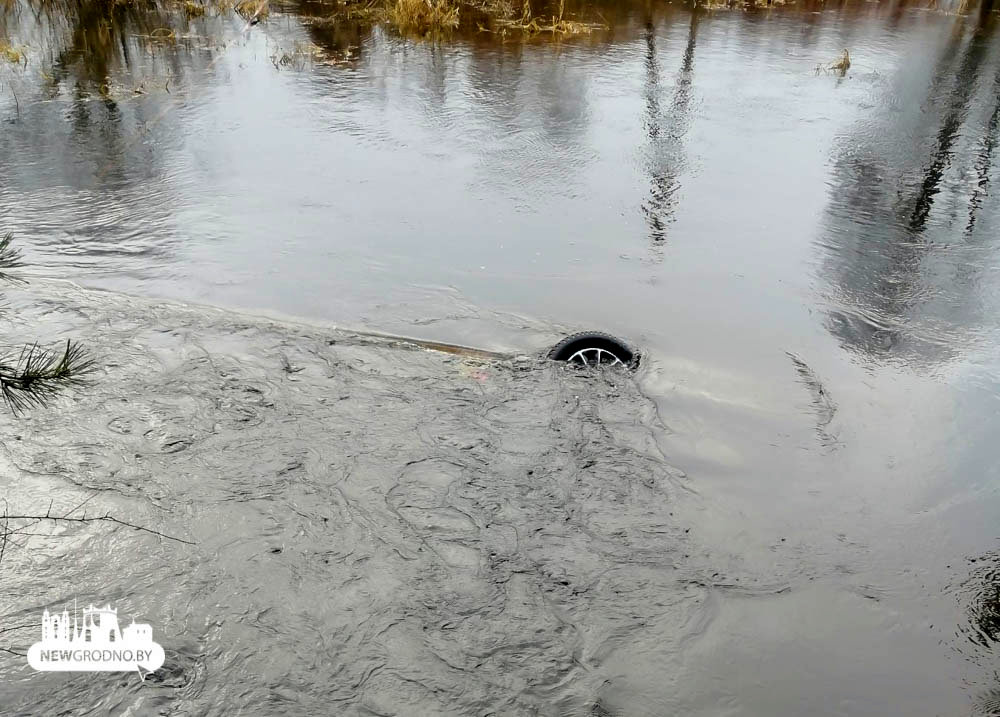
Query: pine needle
{"type": "Point", "coordinates": [39, 374]}
{"type": "Point", "coordinates": [10, 258]}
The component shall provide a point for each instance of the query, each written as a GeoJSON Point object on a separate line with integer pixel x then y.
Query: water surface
{"type": "Point", "coordinates": [808, 258]}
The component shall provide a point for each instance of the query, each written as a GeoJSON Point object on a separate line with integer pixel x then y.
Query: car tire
{"type": "Point", "coordinates": [592, 348]}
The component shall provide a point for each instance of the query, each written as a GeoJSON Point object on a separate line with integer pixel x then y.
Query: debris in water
{"type": "Point", "coordinates": [844, 63]}
{"type": "Point", "coordinates": [823, 404]}
{"type": "Point", "coordinates": [841, 64]}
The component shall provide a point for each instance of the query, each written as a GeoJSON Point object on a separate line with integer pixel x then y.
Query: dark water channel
{"type": "Point", "coordinates": [809, 258]}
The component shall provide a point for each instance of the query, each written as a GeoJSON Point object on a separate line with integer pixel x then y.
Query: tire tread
{"type": "Point", "coordinates": [560, 351]}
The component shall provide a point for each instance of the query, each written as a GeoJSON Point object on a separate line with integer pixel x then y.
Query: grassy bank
{"type": "Point", "coordinates": [539, 18]}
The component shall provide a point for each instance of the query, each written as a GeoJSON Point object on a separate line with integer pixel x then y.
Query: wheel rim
{"type": "Point", "coordinates": [595, 357]}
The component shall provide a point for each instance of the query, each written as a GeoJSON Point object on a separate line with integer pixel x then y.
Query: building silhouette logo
{"type": "Point", "coordinates": [93, 642]}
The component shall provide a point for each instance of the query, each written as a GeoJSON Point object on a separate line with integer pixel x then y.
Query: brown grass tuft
{"type": "Point", "coordinates": [423, 16]}
{"type": "Point", "coordinates": [843, 64]}
{"type": "Point", "coordinates": [840, 65]}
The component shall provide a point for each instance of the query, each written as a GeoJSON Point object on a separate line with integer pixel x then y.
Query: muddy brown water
{"type": "Point", "coordinates": [791, 510]}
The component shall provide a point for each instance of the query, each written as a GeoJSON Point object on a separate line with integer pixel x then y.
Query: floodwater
{"type": "Point", "coordinates": [793, 508]}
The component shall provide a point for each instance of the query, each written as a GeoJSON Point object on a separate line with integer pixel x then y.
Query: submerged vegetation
{"type": "Point", "coordinates": [556, 25]}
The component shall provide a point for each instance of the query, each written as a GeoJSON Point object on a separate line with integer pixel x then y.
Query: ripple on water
{"type": "Point", "coordinates": [378, 552]}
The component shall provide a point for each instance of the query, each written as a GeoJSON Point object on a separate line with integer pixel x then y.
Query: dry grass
{"type": "Point", "coordinates": [742, 4]}
{"type": "Point", "coordinates": [370, 11]}
{"type": "Point", "coordinates": [193, 9]}
{"type": "Point", "coordinates": [13, 55]}
{"type": "Point", "coordinates": [252, 10]}
{"type": "Point", "coordinates": [557, 24]}
{"type": "Point", "coordinates": [496, 9]}
{"type": "Point", "coordinates": [841, 65]}
{"type": "Point", "coordinates": [423, 16]}
{"type": "Point", "coordinates": [961, 8]}
{"type": "Point", "coordinates": [427, 17]}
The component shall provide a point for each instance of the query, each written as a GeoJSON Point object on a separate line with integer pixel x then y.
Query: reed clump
{"type": "Point", "coordinates": [423, 16]}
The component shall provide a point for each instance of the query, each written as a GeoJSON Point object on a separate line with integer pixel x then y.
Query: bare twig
{"type": "Point", "coordinates": [6, 531]}
{"type": "Point", "coordinates": [6, 518]}
{"type": "Point", "coordinates": [32, 625]}
{"type": "Point", "coordinates": [78, 505]}
{"type": "Point", "coordinates": [107, 517]}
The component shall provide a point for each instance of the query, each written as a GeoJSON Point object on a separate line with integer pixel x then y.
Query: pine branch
{"type": "Point", "coordinates": [10, 258]}
{"type": "Point", "coordinates": [38, 374]}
